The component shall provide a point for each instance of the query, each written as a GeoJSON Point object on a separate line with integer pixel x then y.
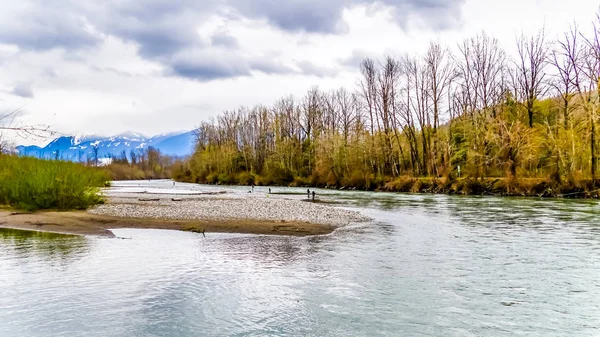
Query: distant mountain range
{"type": "Point", "coordinates": [80, 148]}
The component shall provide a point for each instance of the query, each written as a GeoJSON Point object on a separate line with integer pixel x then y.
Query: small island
{"type": "Point", "coordinates": [221, 212]}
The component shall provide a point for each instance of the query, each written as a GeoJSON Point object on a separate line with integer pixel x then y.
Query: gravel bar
{"type": "Point", "coordinates": [225, 206]}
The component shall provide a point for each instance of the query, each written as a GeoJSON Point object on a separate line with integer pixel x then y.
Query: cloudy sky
{"type": "Point", "coordinates": [155, 66]}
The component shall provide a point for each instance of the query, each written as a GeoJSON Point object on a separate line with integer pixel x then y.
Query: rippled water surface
{"type": "Point", "coordinates": [426, 266]}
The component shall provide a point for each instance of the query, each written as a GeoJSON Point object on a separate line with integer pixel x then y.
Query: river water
{"type": "Point", "coordinates": [427, 265]}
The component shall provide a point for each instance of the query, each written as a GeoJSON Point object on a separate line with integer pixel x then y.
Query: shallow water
{"type": "Point", "coordinates": [426, 266]}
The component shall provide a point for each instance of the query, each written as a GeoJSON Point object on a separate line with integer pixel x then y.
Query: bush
{"type": "Point", "coordinates": [300, 182]}
{"type": "Point", "coordinates": [182, 172]}
{"type": "Point", "coordinates": [469, 186]}
{"type": "Point", "coordinates": [277, 176]}
{"type": "Point", "coordinates": [358, 179]}
{"type": "Point", "coordinates": [444, 184]}
{"type": "Point", "coordinates": [246, 178]}
{"type": "Point", "coordinates": [400, 184]}
{"type": "Point", "coordinates": [125, 172]}
{"type": "Point", "coordinates": [502, 187]}
{"type": "Point", "coordinates": [226, 179]}
{"type": "Point", "coordinates": [211, 178]}
{"type": "Point", "coordinates": [33, 184]}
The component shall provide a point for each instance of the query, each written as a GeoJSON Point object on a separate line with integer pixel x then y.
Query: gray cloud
{"type": "Point", "coordinates": [318, 16]}
{"type": "Point", "coordinates": [47, 27]}
{"type": "Point", "coordinates": [269, 65]}
{"type": "Point", "coordinates": [211, 65]}
{"type": "Point", "coordinates": [296, 15]}
{"type": "Point", "coordinates": [163, 34]}
{"type": "Point", "coordinates": [160, 26]}
{"type": "Point", "coordinates": [49, 72]}
{"type": "Point", "coordinates": [354, 60]}
{"type": "Point", "coordinates": [224, 39]}
{"type": "Point", "coordinates": [23, 89]}
{"type": "Point", "coordinates": [164, 29]}
{"type": "Point", "coordinates": [208, 69]}
{"type": "Point", "coordinates": [115, 71]}
{"type": "Point", "coordinates": [309, 68]}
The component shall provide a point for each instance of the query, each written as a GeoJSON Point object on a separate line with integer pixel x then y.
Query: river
{"type": "Point", "coordinates": [428, 265]}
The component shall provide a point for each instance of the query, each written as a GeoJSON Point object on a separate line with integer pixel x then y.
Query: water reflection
{"type": "Point", "coordinates": [524, 213]}
{"type": "Point", "coordinates": [273, 251]}
{"type": "Point", "coordinates": [52, 247]}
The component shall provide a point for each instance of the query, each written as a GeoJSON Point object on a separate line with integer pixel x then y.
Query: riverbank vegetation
{"type": "Point", "coordinates": [466, 117]}
{"type": "Point", "coordinates": [147, 163]}
{"type": "Point", "coordinates": [33, 184]}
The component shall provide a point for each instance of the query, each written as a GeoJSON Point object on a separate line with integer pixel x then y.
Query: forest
{"type": "Point", "coordinates": [468, 119]}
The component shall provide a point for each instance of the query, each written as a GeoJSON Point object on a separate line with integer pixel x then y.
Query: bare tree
{"type": "Point", "coordinates": [441, 72]}
{"type": "Point", "coordinates": [419, 104]}
{"type": "Point", "coordinates": [481, 68]}
{"type": "Point", "coordinates": [133, 157]}
{"type": "Point", "coordinates": [590, 69]}
{"type": "Point", "coordinates": [583, 57]}
{"type": "Point", "coordinates": [530, 74]}
{"type": "Point", "coordinates": [348, 105]}
{"type": "Point", "coordinates": [368, 88]}
{"type": "Point", "coordinates": [386, 101]}
{"type": "Point", "coordinates": [311, 121]}
{"type": "Point", "coordinates": [409, 104]}
{"type": "Point", "coordinates": [368, 92]}
{"type": "Point", "coordinates": [10, 122]}
{"type": "Point", "coordinates": [481, 71]}
{"type": "Point", "coordinates": [564, 58]}
{"type": "Point", "coordinates": [95, 148]}
{"type": "Point", "coordinates": [12, 125]}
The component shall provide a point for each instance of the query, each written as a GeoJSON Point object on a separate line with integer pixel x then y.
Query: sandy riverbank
{"type": "Point", "coordinates": [230, 213]}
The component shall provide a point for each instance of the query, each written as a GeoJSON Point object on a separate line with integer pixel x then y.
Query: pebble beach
{"type": "Point", "coordinates": [224, 205]}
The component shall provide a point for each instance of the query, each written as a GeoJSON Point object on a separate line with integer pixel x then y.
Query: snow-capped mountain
{"type": "Point", "coordinates": [80, 147]}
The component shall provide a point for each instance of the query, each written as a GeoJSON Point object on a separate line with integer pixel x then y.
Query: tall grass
{"type": "Point", "coordinates": [34, 184]}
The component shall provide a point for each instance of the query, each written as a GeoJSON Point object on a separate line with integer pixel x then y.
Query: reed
{"type": "Point", "coordinates": [34, 184]}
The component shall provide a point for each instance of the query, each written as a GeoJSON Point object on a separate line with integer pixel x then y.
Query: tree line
{"type": "Point", "coordinates": [147, 163]}
{"type": "Point", "coordinates": [473, 112]}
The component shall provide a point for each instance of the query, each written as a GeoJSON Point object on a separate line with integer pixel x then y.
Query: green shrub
{"type": "Point", "coordinates": [226, 179]}
{"type": "Point", "coordinates": [358, 179]}
{"type": "Point", "coordinates": [211, 178]}
{"type": "Point", "coordinates": [246, 178]}
{"type": "Point", "coordinates": [300, 182]}
{"type": "Point", "coordinates": [33, 184]}
{"type": "Point", "coordinates": [277, 176]}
